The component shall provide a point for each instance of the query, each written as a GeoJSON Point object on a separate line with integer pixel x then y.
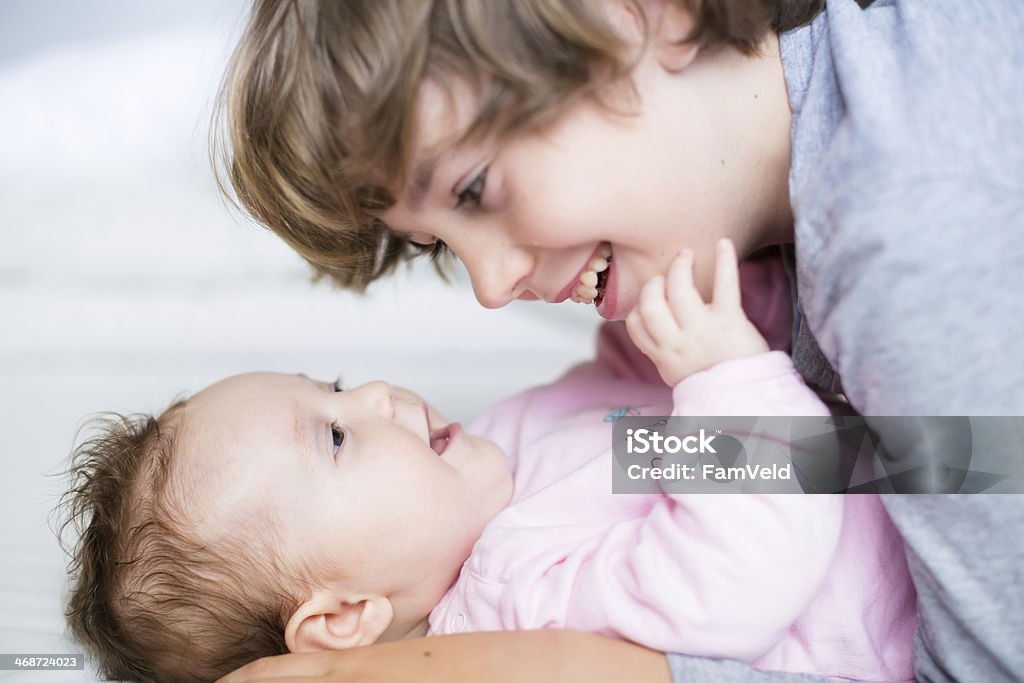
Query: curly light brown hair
{"type": "Point", "coordinates": [149, 599]}
{"type": "Point", "coordinates": [317, 105]}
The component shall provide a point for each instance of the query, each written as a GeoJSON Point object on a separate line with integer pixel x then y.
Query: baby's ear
{"type": "Point", "coordinates": [671, 24]}
{"type": "Point", "coordinates": [328, 621]}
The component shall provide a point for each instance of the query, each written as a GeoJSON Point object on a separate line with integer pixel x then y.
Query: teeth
{"type": "Point", "coordinates": [586, 289]}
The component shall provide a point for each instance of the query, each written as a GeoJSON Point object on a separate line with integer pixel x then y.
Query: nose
{"type": "Point", "coordinates": [499, 273]}
{"type": "Point", "coordinates": [376, 397]}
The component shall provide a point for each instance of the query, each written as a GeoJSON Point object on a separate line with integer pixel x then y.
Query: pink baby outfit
{"type": "Point", "coordinates": [815, 584]}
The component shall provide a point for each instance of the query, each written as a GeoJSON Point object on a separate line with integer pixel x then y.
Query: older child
{"type": "Point", "coordinates": [531, 138]}
{"type": "Point", "coordinates": [271, 512]}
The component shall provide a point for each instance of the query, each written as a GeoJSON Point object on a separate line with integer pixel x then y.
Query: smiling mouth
{"type": "Point", "coordinates": [440, 438]}
{"type": "Point", "coordinates": [591, 284]}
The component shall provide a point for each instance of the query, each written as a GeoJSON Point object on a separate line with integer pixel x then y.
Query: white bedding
{"type": "Point", "coordinates": [125, 282]}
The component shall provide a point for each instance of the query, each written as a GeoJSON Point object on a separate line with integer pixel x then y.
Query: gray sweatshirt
{"type": "Point", "coordinates": [907, 185]}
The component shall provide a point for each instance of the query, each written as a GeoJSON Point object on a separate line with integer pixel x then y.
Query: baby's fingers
{"type": "Point", "coordinates": [638, 333]}
{"type": "Point", "coordinates": [726, 292]}
{"type": "Point", "coordinates": [657, 317]}
{"type": "Point", "coordinates": [683, 297]}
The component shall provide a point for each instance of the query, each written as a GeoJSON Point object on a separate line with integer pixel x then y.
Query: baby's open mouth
{"type": "Point", "coordinates": [439, 439]}
{"type": "Point", "coordinates": [592, 281]}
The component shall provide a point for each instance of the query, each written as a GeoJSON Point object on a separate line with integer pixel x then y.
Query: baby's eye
{"type": "Point", "coordinates": [337, 385]}
{"type": "Point", "coordinates": [338, 435]}
{"type": "Point", "coordinates": [473, 195]}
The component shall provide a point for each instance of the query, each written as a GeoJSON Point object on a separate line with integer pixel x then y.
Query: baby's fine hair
{"type": "Point", "coordinates": [149, 600]}
{"type": "Point", "coordinates": [315, 116]}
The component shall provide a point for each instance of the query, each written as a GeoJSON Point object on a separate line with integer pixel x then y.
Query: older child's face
{"type": "Point", "coordinates": [705, 155]}
{"type": "Point", "coordinates": [371, 481]}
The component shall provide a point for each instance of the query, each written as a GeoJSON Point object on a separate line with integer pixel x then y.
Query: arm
{"type": "Point", "coordinates": [715, 575]}
{"type": "Point", "coordinates": [915, 295]}
{"type": "Point", "coordinates": [504, 657]}
{"type": "Point", "coordinates": [501, 657]}
{"type": "Point", "coordinates": [703, 574]}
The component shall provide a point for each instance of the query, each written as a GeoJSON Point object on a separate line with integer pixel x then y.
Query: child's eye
{"type": "Point", "coordinates": [338, 435]}
{"type": "Point", "coordinates": [337, 385]}
{"type": "Point", "coordinates": [473, 195]}
{"type": "Point", "coordinates": [432, 249]}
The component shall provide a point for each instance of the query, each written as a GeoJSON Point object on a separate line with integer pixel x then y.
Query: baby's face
{"type": "Point", "coordinates": [371, 482]}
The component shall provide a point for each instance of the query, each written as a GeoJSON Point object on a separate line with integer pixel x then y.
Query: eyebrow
{"type": "Point", "coordinates": [422, 179]}
{"type": "Point", "coordinates": [319, 385]}
{"type": "Point", "coordinates": [302, 429]}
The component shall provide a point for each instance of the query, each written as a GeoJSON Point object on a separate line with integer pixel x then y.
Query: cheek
{"type": "Point", "coordinates": [565, 198]}
{"type": "Point", "coordinates": [552, 195]}
{"type": "Point", "coordinates": [558, 213]}
{"type": "Point", "coordinates": [499, 481]}
{"type": "Point", "coordinates": [425, 483]}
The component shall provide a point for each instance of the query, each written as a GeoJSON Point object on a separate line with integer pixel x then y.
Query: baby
{"type": "Point", "coordinates": [270, 513]}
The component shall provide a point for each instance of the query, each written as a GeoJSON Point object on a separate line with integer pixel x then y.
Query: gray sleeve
{"type": "Point", "coordinates": [700, 670]}
{"type": "Point", "coordinates": [917, 295]}
{"type": "Point", "coordinates": [908, 189]}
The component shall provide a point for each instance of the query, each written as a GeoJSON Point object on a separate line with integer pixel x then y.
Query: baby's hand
{"type": "Point", "coordinates": [673, 326]}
